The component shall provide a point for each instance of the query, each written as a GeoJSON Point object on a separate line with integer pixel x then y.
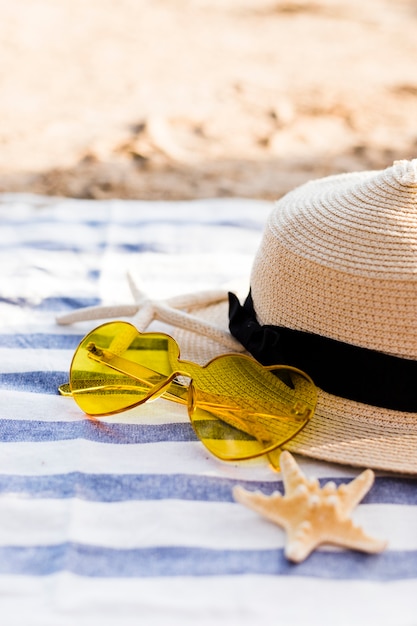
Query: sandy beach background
{"type": "Point", "coordinates": [173, 99]}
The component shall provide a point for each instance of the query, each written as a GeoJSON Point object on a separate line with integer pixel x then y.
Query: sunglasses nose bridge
{"type": "Point", "coordinates": [186, 368]}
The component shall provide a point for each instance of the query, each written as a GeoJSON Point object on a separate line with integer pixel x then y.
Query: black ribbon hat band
{"type": "Point", "coordinates": [339, 368]}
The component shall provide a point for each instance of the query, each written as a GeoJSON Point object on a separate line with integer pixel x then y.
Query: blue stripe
{"type": "Point", "coordinates": [92, 248]}
{"type": "Point", "coordinates": [36, 382]}
{"type": "Point", "coordinates": [52, 303]}
{"type": "Point", "coordinates": [65, 304]}
{"type": "Point", "coordinates": [44, 341]}
{"type": "Point", "coordinates": [103, 432]}
{"type": "Point", "coordinates": [99, 562]}
{"type": "Point", "coordinates": [177, 223]}
{"type": "Point", "coordinates": [126, 487]}
{"type": "Point", "coordinates": [51, 245]}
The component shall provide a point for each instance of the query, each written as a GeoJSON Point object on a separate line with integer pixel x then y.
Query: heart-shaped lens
{"type": "Point", "coordinates": [115, 368]}
{"type": "Point", "coordinates": [240, 409]}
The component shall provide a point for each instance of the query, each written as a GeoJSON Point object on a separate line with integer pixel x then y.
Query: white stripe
{"type": "Point", "coordinates": [24, 405]}
{"type": "Point", "coordinates": [23, 209]}
{"type": "Point", "coordinates": [50, 269]}
{"type": "Point", "coordinates": [63, 273]}
{"type": "Point", "coordinates": [67, 599]}
{"type": "Point", "coordinates": [142, 523]}
{"type": "Point", "coordinates": [57, 457]}
{"type": "Point", "coordinates": [113, 287]}
{"type": "Point", "coordinates": [13, 360]}
{"type": "Point", "coordinates": [133, 524]}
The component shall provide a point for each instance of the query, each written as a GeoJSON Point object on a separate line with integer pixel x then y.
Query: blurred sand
{"type": "Point", "coordinates": [174, 99]}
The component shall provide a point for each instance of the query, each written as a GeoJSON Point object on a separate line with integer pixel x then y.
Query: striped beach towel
{"type": "Point", "coordinates": [132, 521]}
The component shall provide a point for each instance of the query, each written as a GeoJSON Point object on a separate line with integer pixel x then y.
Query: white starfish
{"type": "Point", "coordinates": [173, 311]}
{"type": "Point", "coordinates": [311, 515]}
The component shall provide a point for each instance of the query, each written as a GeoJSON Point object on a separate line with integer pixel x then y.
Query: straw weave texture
{"type": "Point", "coordinates": [339, 259]}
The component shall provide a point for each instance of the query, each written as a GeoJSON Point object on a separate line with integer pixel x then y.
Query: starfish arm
{"type": "Point", "coordinates": [138, 293]}
{"type": "Point", "coordinates": [347, 535]}
{"type": "Point", "coordinates": [184, 320]}
{"type": "Point", "coordinates": [183, 301]}
{"type": "Point", "coordinates": [292, 476]}
{"type": "Point", "coordinates": [97, 313]}
{"type": "Point", "coordinates": [272, 507]}
{"type": "Point", "coordinates": [300, 545]}
{"type": "Point", "coordinates": [194, 300]}
{"type": "Point", "coordinates": [306, 537]}
{"type": "Point", "coordinates": [144, 316]}
{"type": "Point", "coordinates": [351, 494]}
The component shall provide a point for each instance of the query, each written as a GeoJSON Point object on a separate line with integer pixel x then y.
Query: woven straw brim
{"type": "Point", "coordinates": [342, 431]}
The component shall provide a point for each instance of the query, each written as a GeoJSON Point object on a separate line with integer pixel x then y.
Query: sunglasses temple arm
{"type": "Point", "coordinates": [136, 372]}
{"type": "Point", "coordinates": [177, 393]}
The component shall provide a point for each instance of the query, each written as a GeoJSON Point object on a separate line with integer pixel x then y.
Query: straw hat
{"type": "Point", "coordinates": [333, 291]}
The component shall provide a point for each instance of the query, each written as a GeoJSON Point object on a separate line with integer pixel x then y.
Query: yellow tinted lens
{"type": "Point", "coordinates": [240, 409]}
{"type": "Point", "coordinates": [115, 367]}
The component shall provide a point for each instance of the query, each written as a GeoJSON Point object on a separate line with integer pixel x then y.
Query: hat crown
{"type": "Point", "coordinates": [363, 223]}
{"type": "Point", "coordinates": [339, 259]}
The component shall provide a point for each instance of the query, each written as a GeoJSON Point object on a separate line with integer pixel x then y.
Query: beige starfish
{"type": "Point", "coordinates": [311, 515]}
